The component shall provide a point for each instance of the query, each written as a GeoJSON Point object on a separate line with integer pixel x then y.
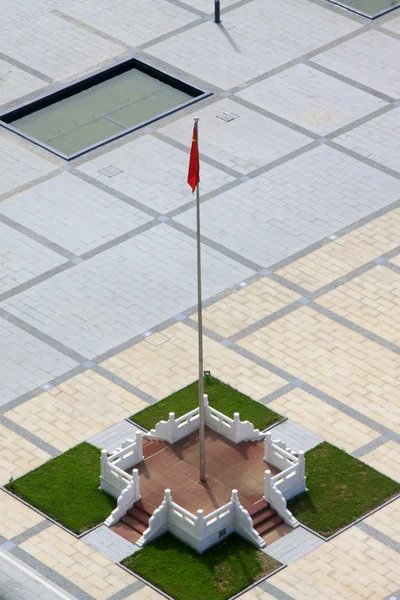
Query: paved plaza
{"type": "Point", "coordinates": [301, 264]}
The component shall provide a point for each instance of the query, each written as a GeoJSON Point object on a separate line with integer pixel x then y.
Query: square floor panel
{"type": "Point", "coordinates": [16, 83]}
{"type": "Point", "coordinates": [27, 362]}
{"type": "Point", "coordinates": [72, 213]}
{"type": "Point", "coordinates": [18, 165]}
{"type": "Point", "coordinates": [252, 42]}
{"type": "Point", "coordinates": [371, 59]}
{"type": "Point", "coordinates": [294, 205]}
{"type": "Point", "coordinates": [311, 99]}
{"type": "Point", "coordinates": [245, 143]}
{"type": "Point", "coordinates": [133, 23]}
{"type": "Point", "coordinates": [56, 47]}
{"type": "Point", "coordinates": [22, 259]}
{"type": "Point", "coordinates": [377, 140]}
{"type": "Point", "coordinates": [154, 173]}
{"type": "Point", "coordinates": [124, 291]}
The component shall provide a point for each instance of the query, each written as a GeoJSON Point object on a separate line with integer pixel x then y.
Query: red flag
{"type": "Point", "coordinates": [194, 162]}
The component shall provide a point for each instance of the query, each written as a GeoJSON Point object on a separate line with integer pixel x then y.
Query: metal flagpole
{"type": "Point", "coordinates": [200, 327]}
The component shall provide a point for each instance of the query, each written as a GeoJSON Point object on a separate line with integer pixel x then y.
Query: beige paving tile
{"type": "Point", "coordinates": [336, 360]}
{"type": "Point", "coordinates": [396, 260]}
{"type": "Point", "coordinates": [166, 362]}
{"type": "Point", "coordinates": [352, 566]}
{"type": "Point", "coordinates": [76, 409]}
{"type": "Point", "coordinates": [17, 455]}
{"type": "Point", "coordinates": [246, 306]}
{"type": "Point", "coordinates": [387, 520]}
{"type": "Point", "coordinates": [15, 517]}
{"type": "Point", "coordinates": [371, 301]}
{"type": "Point", "coordinates": [324, 420]}
{"type": "Point", "coordinates": [386, 459]}
{"type": "Point", "coordinates": [346, 253]}
{"type": "Point", "coordinates": [256, 594]}
{"type": "Point", "coordinates": [78, 562]}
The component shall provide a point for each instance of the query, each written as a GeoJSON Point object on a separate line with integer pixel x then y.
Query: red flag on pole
{"type": "Point", "coordinates": [194, 162]}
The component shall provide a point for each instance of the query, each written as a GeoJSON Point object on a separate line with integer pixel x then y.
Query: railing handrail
{"type": "Point", "coordinates": [120, 472]}
{"type": "Point", "coordinates": [115, 455]}
{"type": "Point", "coordinates": [283, 474]}
{"type": "Point", "coordinates": [285, 453]}
{"type": "Point", "coordinates": [220, 415]}
{"type": "Point", "coordinates": [182, 510]}
{"type": "Point", "coordinates": [187, 416]}
{"type": "Point", "coordinates": [218, 511]}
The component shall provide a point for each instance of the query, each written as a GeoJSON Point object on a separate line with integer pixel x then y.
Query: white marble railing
{"type": "Point", "coordinates": [127, 498]}
{"type": "Point", "coordinates": [177, 428]}
{"type": "Point", "coordinates": [198, 531]}
{"type": "Point", "coordinates": [113, 479]}
{"type": "Point", "coordinates": [277, 500]}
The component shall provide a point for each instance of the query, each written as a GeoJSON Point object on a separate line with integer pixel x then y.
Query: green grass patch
{"type": "Point", "coordinates": [221, 572]}
{"type": "Point", "coordinates": [66, 489]}
{"type": "Point", "coordinates": [341, 489]}
{"type": "Point", "coordinates": [221, 396]}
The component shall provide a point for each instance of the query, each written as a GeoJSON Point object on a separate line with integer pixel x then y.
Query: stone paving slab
{"type": "Point", "coordinates": [114, 300]}
{"type": "Point", "coordinates": [134, 23]}
{"type": "Point", "coordinates": [293, 546]}
{"type": "Point", "coordinates": [337, 360]}
{"type": "Point", "coordinates": [284, 32]}
{"type": "Point", "coordinates": [78, 562]}
{"type": "Point", "coordinates": [75, 410]}
{"type": "Point", "coordinates": [28, 363]}
{"type": "Point", "coordinates": [153, 172]}
{"type": "Point", "coordinates": [296, 436]}
{"type": "Point", "coordinates": [109, 543]}
{"type": "Point", "coordinates": [294, 205]}
{"type": "Point", "coordinates": [387, 520]}
{"type": "Point", "coordinates": [111, 438]}
{"type": "Point", "coordinates": [16, 82]}
{"type": "Point", "coordinates": [373, 61]}
{"type": "Point", "coordinates": [352, 565]}
{"type": "Point", "coordinates": [43, 47]}
{"type": "Point", "coordinates": [21, 163]}
{"type": "Point", "coordinates": [146, 593]}
{"type": "Point", "coordinates": [371, 300]}
{"type": "Point", "coordinates": [18, 455]}
{"type": "Point", "coordinates": [377, 139]}
{"type": "Point", "coordinates": [82, 216]}
{"type": "Point", "coordinates": [348, 252]}
{"type": "Point", "coordinates": [15, 517]}
{"type": "Point", "coordinates": [22, 259]}
{"type": "Point", "coordinates": [245, 143]}
{"type": "Point", "coordinates": [385, 459]}
{"type": "Point", "coordinates": [325, 421]}
{"type": "Point", "coordinates": [166, 362]}
{"type": "Point", "coordinates": [17, 582]}
{"type": "Point", "coordinates": [246, 306]}
{"type": "Point", "coordinates": [311, 99]}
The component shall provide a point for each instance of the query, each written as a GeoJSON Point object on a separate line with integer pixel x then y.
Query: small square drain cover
{"type": "Point", "coordinates": [110, 171]}
{"type": "Point", "coordinates": [227, 116]}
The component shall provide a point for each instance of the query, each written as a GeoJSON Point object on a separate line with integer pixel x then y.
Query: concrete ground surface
{"type": "Point", "coordinates": [301, 263]}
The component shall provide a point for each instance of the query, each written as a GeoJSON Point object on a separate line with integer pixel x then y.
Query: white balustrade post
{"type": "Point", "coordinates": [172, 427]}
{"type": "Point", "coordinates": [167, 495]}
{"type": "Point", "coordinates": [267, 484]}
{"type": "Point", "coordinates": [236, 427]}
{"type": "Point", "coordinates": [206, 409]}
{"type": "Point", "coordinates": [139, 445]}
{"type": "Point", "coordinates": [103, 463]}
{"type": "Point", "coordinates": [199, 527]}
{"type": "Point", "coordinates": [235, 496]}
{"type": "Point", "coordinates": [267, 447]}
{"type": "Point", "coordinates": [302, 465]}
{"type": "Point", "coordinates": [135, 478]}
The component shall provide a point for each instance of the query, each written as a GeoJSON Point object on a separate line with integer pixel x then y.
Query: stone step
{"type": "Point", "coordinates": [134, 523]}
{"type": "Point", "coordinates": [263, 515]}
{"type": "Point", "coordinates": [257, 508]}
{"type": "Point", "coordinates": [267, 525]}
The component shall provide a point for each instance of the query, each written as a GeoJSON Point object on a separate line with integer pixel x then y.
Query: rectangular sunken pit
{"type": "Point", "coordinates": [368, 8]}
{"type": "Point", "coordinates": [94, 110]}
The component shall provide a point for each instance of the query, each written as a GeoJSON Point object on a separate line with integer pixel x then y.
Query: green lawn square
{"type": "Point", "coordinates": [217, 574]}
{"type": "Point", "coordinates": [341, 489]}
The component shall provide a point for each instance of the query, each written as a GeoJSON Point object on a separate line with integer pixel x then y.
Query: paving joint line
{"type": "Point", "coordinates": [370, 446]}
{"type": "Point", "coordinates": [34, 182]}
{"type": "Point", "coordinates": [167, 36]}
{"type": "Point", "coordinates": [392, 267]}
{"type": "Point", "coordinates": [361, 121]}
{"type": "Point", "coordinates": [127, 591]}
{"type": "Point", "coordinates": [129, 387]}
{"type": "Point", "coordinates": [29, 436]}
{"type": "Point", "coordinates": [90, 28]}
{"type": "Point", "coordinates": [264, 321]}
{"type": "Point", "coordinates": [31, 532]}
{"type": "Point", "coordinates": [50, 574]}
{"type": "Point", "coordinates": [23, 67]}
{"type": "Point", "coordinates": [184, 6]}
{"type": "Point", "coordinates": [22, 287]}
{"type": "Point", "coordinates": [364, 159]}
{"type": "Point", "coordinates": [43, 337]}
{"type": "Point", "coordinates": [357, 328]}
{"type": "Point", "coordinates": [274, 591]}
{"type": "Point", "coordinates": [379, 536]}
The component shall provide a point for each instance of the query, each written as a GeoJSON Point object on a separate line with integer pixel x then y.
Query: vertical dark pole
{"type": "Point", "coordinates": [217, 8]}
